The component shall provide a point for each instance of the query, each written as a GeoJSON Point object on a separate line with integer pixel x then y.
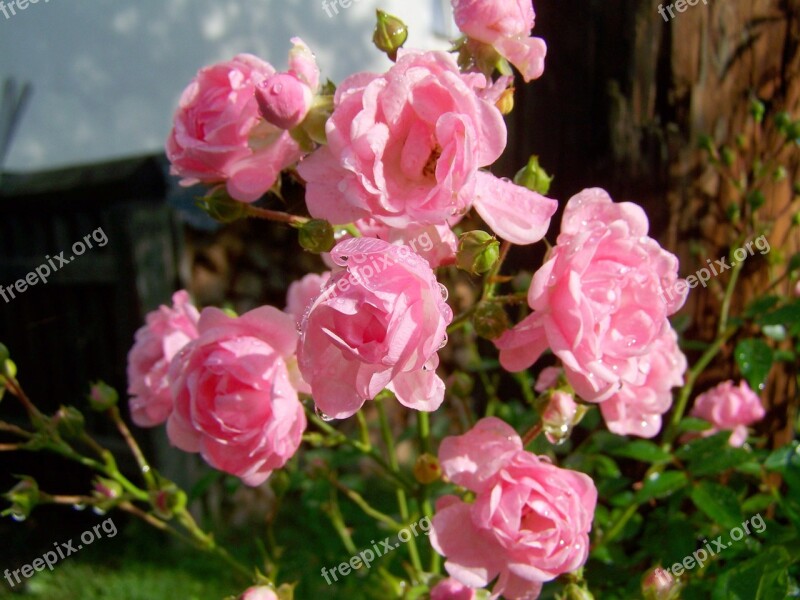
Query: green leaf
{"type": "Point", "coordinates": [642, 450]}
{"type": "Point", "coordinates": [764, 577]}
{"type": "Point", "coordinates": [760, 306]}
{"type": "Point", "coordinates": [718, 502]}
{"type": "Point", "coordinates": [711, 455]}
{"type": "Point", "coordinates": [754, 358]}
{"type": "Point", "coordinates": [661, 485]}
{"type": "Point", "coordinates": [757, 503]}
{"type": "Point", "coordinates": [787, 315]}
{"type": "Point", "coordinates": [693, 424]}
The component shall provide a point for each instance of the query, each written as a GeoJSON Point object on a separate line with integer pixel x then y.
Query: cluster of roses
{"type": "Point", "coordinates": [400, 155]}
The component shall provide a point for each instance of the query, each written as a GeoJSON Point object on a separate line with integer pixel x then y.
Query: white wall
{"type": "Point", "coordinates": [107, 73]}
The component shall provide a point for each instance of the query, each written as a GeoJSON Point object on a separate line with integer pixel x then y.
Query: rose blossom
{"type": "Point", "coordinates": [406, 148]}
{"type": "Point", "coordinates": [377, 324]}
{"type": "Point", "coordinates": [529, 522]}
{"type": "Point", "coordinates": [166, 332]}
{"type": "Point", "coordinates": [284, 99]}
{"type": "Point", "coordinates": [599, 301]}
{"type": "Point", "coordinates": [450, 589]}
{"type": "Point", "coordinates": [219, 137]}
{"type": "Point", "coordinates": [435, 243]}
{"type": "Point", "coordinates": [506, 25]}
{"type": "Point", "coordinates": [235, 400]}
{"type": "Point", "coordinates": [302, 293]}
{"type": "Point", "coordinates": [729, 408]}
{"type": "Point", "coordinates": [637, 409]}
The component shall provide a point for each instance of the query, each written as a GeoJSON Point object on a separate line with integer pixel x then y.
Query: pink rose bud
{"type": "Point", "coordinates": [260, 592]}
{"type": "Point", "coordinates": [558, 417]}
{"type": "Point", "coordinates": [729, 408]}
{"type": "Point", "coordinates": [547, 378]}
{"type": "Point", "coordinates": [529, 522]}
{"type": "Point", "coordinates": [450, 589]}
{"type": "Point", "coordinates": [284, 100]}
{"type": "Point", "coordinates": [166, 332]}
{"type": "Point", "coordinates": [659, 584]}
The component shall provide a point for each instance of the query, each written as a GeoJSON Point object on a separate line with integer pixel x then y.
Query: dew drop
{"type": "Point", "coordinates": [18, 517]}
{"type": "Point", "coordinates": [79, 506]}
{"type": "Point", "coordinates": [322, 415]}
{"type": "Point", "coordinates": [444, 342]}
{"type": "Point", "coordinates": [146, 469]}
{"type": "Point", "coordinates": [445, 292]}
{"type": "Point", "coordinates": [344, 258]}
{"type": "Point", "coordinates": [98, 511]}
{"type": "Point", "coordinates": [277, 88]}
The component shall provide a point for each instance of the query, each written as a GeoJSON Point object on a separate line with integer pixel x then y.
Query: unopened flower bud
{"type": "Point", "coordinates": [558, 417]}
{"type": "Point", "coordinates": [478, 251]}
{"type": "Point", "coordinates": [490, 320]}
{"type": "Point", "coordinates": [506, 102]}
{"type": "Point", "coordinates": [69, 422]}
{"type": "Point", "coordinates": [260, 592]}
{"type": "Point", "coordinates": [316, 235]}
{"type": "Point", "coordinates": [107, 489]}
{"type": "Point", "coordinates": [221, 207]}
{"type": "Point", "coordinates": [284, 100]}
{"type": "Point", "coordinates": [427, 469]}
{"type": "Point", "coordinates": [390, 34]}
{"type": "Point", "coordinates": [168, 500]}
{"type": "Point", "coordinates": [102, 396]}
{"type": "Point", "coordinates": [23, 497]}
{"type": "Point", "coordinates": [659, 584]}
{"type": "Point", "coordinates": [533, 177]}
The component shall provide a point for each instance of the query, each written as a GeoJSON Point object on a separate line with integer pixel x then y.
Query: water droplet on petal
{"type": "Point", "coordinates": [146, 469]}
{"type": "Point", "coordinates": [445, 339]}
{"type": "Point", "coordinates": [277, 88]}
{"type": "Point", "coordinates": [445, 292]}
{"type": "Point", "coordinates": [322, 415]}
{"type": "Point", "coordinates": [344, 258]}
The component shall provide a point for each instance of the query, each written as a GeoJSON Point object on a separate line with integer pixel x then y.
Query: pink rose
{"type": "Point", "coordinates": [599, 301]}
{"type": "Point", "coordinates": [218, 136]}
{"type": "Point", "coordinates": [302, 293]}
{"type": "Point", "coordinates": [637, 409]}
{"type": "Point", "coordinates": [166, 332]}
{"type": "Point", "coordinates": [235, 400]}
{"type": "Point", "coordinates": [506, 25]}
{"type": "Point", "coordinates": [377, 324]}
{"type": "Point", "coordinates": [450, 589]}
{"type": "Point", "coordinates": [729, 408]}
{"type": "Point", "coordinates": [260, 592]}
{"type": "Point", "coordinates": [406, 148]}
{"type": "Point", "coordinates": [284, 99]}
{"type": "Point", "coordinates": [529, 522]}
{"type": "Point", "coordinates": [435, 243]}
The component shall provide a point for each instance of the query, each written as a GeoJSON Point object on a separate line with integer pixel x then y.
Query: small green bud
{"type": "Point", "coordinates": [316, 236]}
{"type": "Point", "coordinates": [390, 34]}
{"type": "Point", "coordinates": [478, 252]}
{"type": "Point", "coordinates": [23, 497]}
{"type": "Point", "coordinates": [221, 207]}
{"type": "Point", "coordinates": [733, 212]}
{"type": "Point", "coordinates": [8, 368]}
{"type": "Point", "coordinates": [756, 199]}
{"type": "Point", "coordinates": [102, 396]}
{"type": "Point", "coordinates": [534, 177]}
{"type": "Point", "coordinates": [757, 110]}
{"type": "Point", "coordinates": [427, 469]}
{"type": "Point", "coordinates": [69, 422]}
{"type": "Point", "coordinates": [660, 584]}
{"type": "Point", "coordinates": [575, 592]}
{"type": "Point", "coordinates": [728, 156]}
{"type": "Point", "coordinates": [490, 320]}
